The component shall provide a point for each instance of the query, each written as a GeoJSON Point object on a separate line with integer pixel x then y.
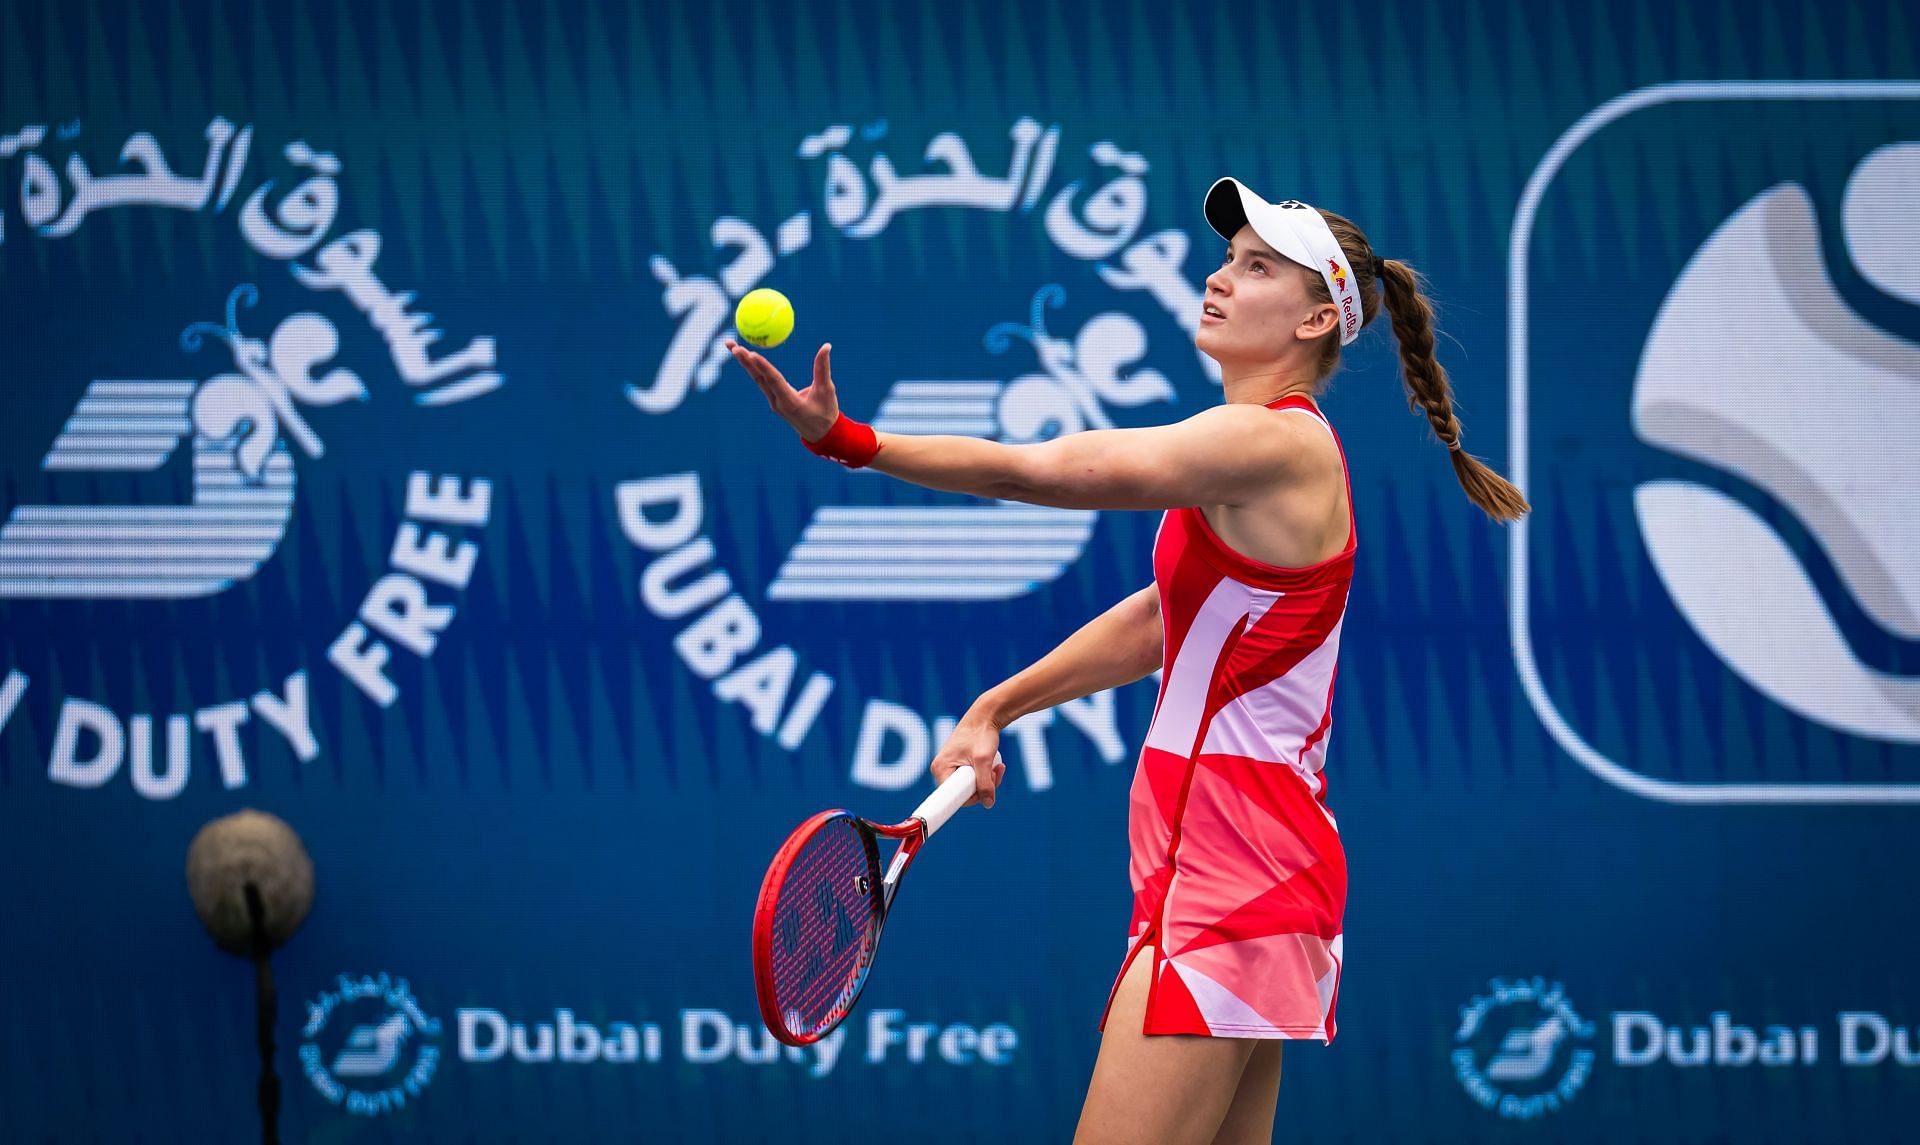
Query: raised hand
{"type": "Point", "coordinates": [812, 411]}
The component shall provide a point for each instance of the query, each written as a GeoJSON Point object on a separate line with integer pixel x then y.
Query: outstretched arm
{"type": "Point", "coordinates": [1219, 456]}
{"type": "Point", "coordinates": [1117, 647]}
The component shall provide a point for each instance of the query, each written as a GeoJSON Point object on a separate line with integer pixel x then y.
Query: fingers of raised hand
{"type": "Point", "coordinates": [770, 381]}
{"type": "Point", "coordinates": [823, 367]}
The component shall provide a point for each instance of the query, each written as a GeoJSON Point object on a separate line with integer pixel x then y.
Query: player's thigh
{"type": "Point", "coordinates": [1249, 1119]}
{"type": "Point", "coordinates": [1162, 1090]}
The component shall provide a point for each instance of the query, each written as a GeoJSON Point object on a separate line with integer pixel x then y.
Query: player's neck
{"type": "Point", "coordinates": [1266, 383]}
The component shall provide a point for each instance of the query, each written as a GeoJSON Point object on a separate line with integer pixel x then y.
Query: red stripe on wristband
{"type": "Point", "coordinates": [851, 443]}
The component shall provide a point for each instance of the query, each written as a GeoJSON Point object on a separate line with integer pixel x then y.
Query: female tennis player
{"type": "Point", "coordinates": [1239, 879]}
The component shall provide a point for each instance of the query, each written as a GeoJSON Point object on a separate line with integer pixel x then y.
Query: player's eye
{"type": "Point", "coordinates": [1261, 267]}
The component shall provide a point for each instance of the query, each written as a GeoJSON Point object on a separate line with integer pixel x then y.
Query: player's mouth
{"type": "Point", "coordinates": [1210, 313]}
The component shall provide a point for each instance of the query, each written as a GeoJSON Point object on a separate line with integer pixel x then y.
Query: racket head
{"type": "Point", "coordinates": [816, 926]}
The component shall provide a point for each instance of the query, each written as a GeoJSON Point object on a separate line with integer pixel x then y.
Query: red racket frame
{"type": "Point", "coordinates": [911, 833]}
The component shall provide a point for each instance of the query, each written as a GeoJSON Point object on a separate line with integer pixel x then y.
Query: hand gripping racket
{"type": "Point", "coordinates": [822, 906]}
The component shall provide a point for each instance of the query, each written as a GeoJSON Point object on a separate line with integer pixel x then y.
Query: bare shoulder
{"type": "Point", "coordinates": [1293, 438]}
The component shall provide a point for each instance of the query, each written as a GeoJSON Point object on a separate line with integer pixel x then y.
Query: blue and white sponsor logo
{"type": "Point", "coordinates": [181, 489]}
{"type": "Point", "coordinates": [950, 550]}
{"type": "Point", "coordinates": [1812, 404]}
{"type": "Point", "coordinates": [367, 1046]}
{"type": "Point", "coordinates": [1521, 1049]}
{"type": "Point", "coordinates": [243, 477]}
{"type": "Point", "coordinates": [489, 1038]}
{"type": "Point", "coordinates": [1776, 418]}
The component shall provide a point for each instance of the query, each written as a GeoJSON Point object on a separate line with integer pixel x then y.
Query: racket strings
{"type": "Point", "coordinates": [824, 914]}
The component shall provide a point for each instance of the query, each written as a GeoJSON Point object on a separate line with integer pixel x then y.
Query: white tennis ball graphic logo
{"type": "Point", "coordinates": [1756, 365]}
{"type": "Point", "coordinates": [764, 317]}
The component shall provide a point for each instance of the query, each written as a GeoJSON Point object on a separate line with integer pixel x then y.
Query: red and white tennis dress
{"type": "Point", "coordinates": [1239, 879]}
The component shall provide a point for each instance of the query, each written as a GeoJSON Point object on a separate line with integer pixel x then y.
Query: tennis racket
{"type": "Point", "coordinates": [822, 906]}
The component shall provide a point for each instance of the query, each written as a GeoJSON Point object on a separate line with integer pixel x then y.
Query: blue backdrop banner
{"type": "Point", "coordinates": [367, 456]}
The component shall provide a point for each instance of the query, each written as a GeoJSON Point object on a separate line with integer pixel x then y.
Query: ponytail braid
{"type": "Point", "coordinates": [1401, 289]}
{"type": "Point", "coordinates": [1428, 389]}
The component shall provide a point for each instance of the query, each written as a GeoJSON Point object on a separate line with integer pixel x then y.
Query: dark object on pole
{"type": "Point", "coordinates": [252, 885]}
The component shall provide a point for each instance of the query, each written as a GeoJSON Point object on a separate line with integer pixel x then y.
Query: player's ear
{"type": "Point", "coordinates": [1320, 321]}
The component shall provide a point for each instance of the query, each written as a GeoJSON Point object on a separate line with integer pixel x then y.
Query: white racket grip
{"type": "Point", "coordinates": [946, 799]}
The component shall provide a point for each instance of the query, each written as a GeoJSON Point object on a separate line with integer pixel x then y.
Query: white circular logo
{"type": "Point", "coordinates": [1521, 1049]}
{"type": "Point", "coordinates": [1732, 395]}
{"type": "Point", "coordinates": [367, 1046]}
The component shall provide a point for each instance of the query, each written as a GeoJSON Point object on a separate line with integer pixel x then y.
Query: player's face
{"type": "Point", "coordinates": [1256, 306]}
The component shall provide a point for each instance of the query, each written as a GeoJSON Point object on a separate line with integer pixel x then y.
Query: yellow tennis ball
{"type": "Point", "coordinates": [764, 317]}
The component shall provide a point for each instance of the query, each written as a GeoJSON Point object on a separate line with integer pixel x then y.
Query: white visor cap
{"type": "Point", "coordinates": [1295, 231]}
